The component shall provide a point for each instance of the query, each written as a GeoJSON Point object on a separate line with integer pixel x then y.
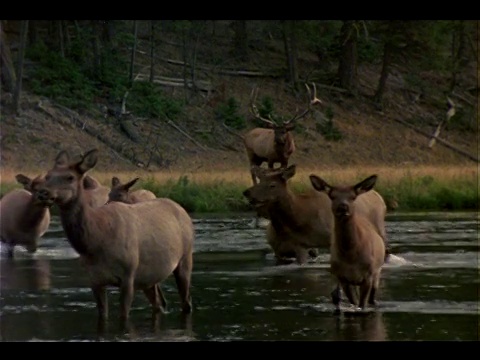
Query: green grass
{"type": "Point", "coordinates": [426, 189]}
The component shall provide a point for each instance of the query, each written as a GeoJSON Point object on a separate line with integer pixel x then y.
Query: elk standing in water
{"type": "Point", "coordinates": [121, 192]}
{"type": "Point", "coordinates": [130, 246]}
{"type": "Point", "coordinates": [357, 250]}
{"type": "Point", "coordinates": [276, 144]}
{"type": "Point", "coordinates": [23, 218]}
{"type": "Point", "coordinates": [301, 222]}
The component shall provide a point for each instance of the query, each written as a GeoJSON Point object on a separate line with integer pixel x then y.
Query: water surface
{"type": "Point", "coordinates": [240, 294]}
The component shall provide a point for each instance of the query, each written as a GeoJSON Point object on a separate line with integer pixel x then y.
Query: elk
{"type": "Point", "coordinates": [357, 250]}
{"type": "Point", "coordinates": [275, 144]}
{"type": "Point", "coordinates": [301, 222]}
{"type": "Point", "coordinates": [129, 246]}
{"type": "Point", "coordinates": [23, 218]}
{"type": "Point", "coordinates": [120, 192]}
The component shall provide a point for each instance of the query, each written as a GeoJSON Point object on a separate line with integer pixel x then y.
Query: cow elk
{"type": "Point", "coordinates": [121, 192]}
{"type": "Point", "coordinates": [23, 218]}
{"type": "Point", "coordinates": [357, 249]}
{"type": "Point", "coordinates": [300, 222]}
{"type": "Point", "coordinates": [275, 144]}
{"type": "Point", "coordinates": [129, 246]}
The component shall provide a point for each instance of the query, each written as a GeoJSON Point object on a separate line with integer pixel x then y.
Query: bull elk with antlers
{"type": "Point", "coordinates": [275, 144]}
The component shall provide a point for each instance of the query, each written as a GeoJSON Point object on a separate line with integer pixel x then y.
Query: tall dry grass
{"type": "Point", "coordinates": [409, 188]}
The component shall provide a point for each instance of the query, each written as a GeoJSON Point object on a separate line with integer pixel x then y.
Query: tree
{"type": "Point", "coordinates": [348, 60]}
{"type": "Point", "coordinates": [9, 77]}
{"type": "Point", "coordinates": [291, 52]}
{"type": "Point", "coordinates": [21, 56]}
{"type": "Point", "coordinates": [240, 39]}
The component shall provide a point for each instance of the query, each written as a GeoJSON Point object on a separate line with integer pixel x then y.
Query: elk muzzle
{"type": "Point", "coordinates": [45, 196]}
{"type": "Point", "coordinates": [342, 210]}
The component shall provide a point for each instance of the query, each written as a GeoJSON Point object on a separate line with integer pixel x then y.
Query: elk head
{"type": "Point", "coordinates": [63, 183]}
{"type": "Point", "coordinates": [119, 191]}
{"type": "Point", "coordinates": [343, 197]}
{"type": "Point", "coordinates": [271, 189]}
{"type": "Point", "coordinates": [286, 126]}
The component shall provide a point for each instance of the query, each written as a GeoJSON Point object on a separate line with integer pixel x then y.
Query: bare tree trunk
{"type": "Point", "coordinates": [33, 32]}
{"type": "Point", "coordinates": [387, 60]}
{"type": "Point", "coordinates": [21, 55]}
{"type": "Point", "coordinates": [60, 38]}
{"type": "Point", "coordinates": [152, 50]}
{"type": "Point", "coordinates": [240, 39]}
{"type": "Point", "coordinates": [8, 75]}
{"type": "Point", "coordinates": [97, 62]}
{"type": "Point", "coordinates": [347, 68]}
{"type": "Point", "coordinates": [289, 39]}
{"type": "Point", "coordinates": [134, 49]}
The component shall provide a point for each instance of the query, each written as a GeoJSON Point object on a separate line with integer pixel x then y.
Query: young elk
{"type": "Point", "coordinates": [357, 249]}
{"type": "Point", "coordinates": [23, 218]}
{"type": "Point", "coordinates": [130, 246]}
{"type": "Point", "coordinates": [120, 192]}
{"type": "Point", "coordinates": [276, 144]}
{"type": "Point", "coordinates": [301, 222]}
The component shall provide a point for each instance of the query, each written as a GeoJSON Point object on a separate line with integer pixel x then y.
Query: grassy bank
{"type": "Point", "coordinates": [405, 189]}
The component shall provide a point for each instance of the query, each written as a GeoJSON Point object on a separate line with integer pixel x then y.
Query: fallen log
{"type": "Point", "coordinates": [441, 141]}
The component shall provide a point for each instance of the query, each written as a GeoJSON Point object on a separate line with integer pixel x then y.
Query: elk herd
{"type": "Point", "coordinates": [133, 240]}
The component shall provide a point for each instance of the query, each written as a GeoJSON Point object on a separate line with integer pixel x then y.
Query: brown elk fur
{"type": "Point", "coordinates": [275, 144]}
{"type": "Point", "coordinates": [301, 222]}
{"type": "Point", "coordinates": [130, 246]}
{"type": "Point", "coordinates": [121, 192]}
{"type": "Point", "coordinates": [23, 218]}
{"type": "Point", "coordinates": [357, 249]}
{"type": "Point", "coordinates": [269, 145]}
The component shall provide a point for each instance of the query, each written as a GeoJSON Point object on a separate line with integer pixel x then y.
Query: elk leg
{"type": "Point", "coordinates": [373, 290]}
{"type": "Point", "coordinates": [154, 294]}
{"type": "Point", "coordinates": [100, 295]}
{"type": "Point", "coordinates": [364, 293]}
{"type": "Point", "coordinates": [126, 297]}
{"type": "Point", "coordinates": [349, 292]}
{"type": "Point", "coordinates": [182, 275]}
{"type": "Point", "coordinates": [301, 255]}
{"type": "Point", "coordinates": [336, 297]}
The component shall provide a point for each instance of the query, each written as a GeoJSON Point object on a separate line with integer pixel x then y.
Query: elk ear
{"type": "Point", "coordinates": [62, 158]}
{"type": "Point", "coordinates": [319, 184]}
{"type": "Point", "coordinates": [35, 184]}
{"type": "Point", "coordinates": [88, 161]}
{"type": "Point", "coordinates": [130, 183]}
{"type": "Point", "coordinates": [115, 181]}
{"type": "Point", "coordinates": [89, 182]}
{"type": "Point", "coordinates": [23, 179]}
{"type": "Point", "coordinates": [289, 172]}
{"type": "Point", "coordinates": [365, 185]}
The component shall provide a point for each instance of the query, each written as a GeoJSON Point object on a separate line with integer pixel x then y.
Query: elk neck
{"type": "Point", "coordinates": [33, 215]}
{"type": "Point", "coordinates": [76, 217]}
{"type": "Point", "coordinates": [284, 212]}
{"type": "Point", "coordinates": [345, 232]}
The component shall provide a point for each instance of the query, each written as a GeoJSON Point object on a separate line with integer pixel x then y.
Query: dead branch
{"type": "Point", "coordinates": [231, 131]}
{"type": "Point", "coordinates": [172, 124]}
{"type": "Point", "coordinates": [450, 113]}
{"type": "Point", "coordinates": [441, 141]}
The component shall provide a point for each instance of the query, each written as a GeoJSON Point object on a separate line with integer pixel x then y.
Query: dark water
{"type": "Point", "coordinates": [239, 293]}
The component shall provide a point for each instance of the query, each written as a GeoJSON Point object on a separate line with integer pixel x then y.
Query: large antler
{"type": "Point", "coordinates": [254, 110]}
{"type": "Point", "coordinates": [314, 100]}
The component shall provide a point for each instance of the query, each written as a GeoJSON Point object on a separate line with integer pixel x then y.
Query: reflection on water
{"type": "Point", "coordinates": [239, 294]}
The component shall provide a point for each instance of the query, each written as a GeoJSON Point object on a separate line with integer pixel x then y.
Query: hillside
{"type": "Point", "coordinates": [197, 141]}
